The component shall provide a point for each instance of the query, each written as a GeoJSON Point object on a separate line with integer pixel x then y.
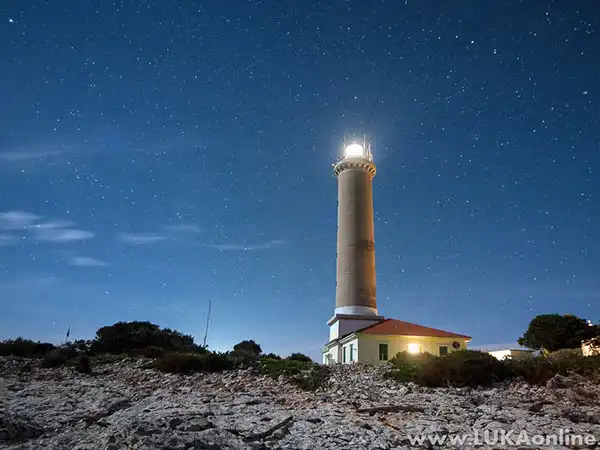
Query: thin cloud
{"type": "Point", "coordinates": [62, 234]}
{"type": "Point", "coordinates": [17, 156]}
{"type": "Point", "coordinates": [50, 231]}
{"type": "Point", "coordinates": [15, 220]}
{"type": "Point", "coordinates": [247, 247]}
{"type": "Point", "coordinates": [140, 238]}
{"type": "Point", "coordinates": [53, 224]}
{"type": "Point", "coordinates": [86, 261]}
{"type": "Point", "coordinates": [184, 228]}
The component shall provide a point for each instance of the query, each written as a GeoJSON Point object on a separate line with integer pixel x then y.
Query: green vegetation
{"type": "Point", "coordinates": [462, 368]}
{"type": "Point", "coordinates": [278, 367]}
{"type": "Point", "coordinates": [299, 357]}
{"type": "Point", "coordinates": [133, 337]}
{"type": "Point", "coordinates": [304, 374]}
{"type": "Point", "coordinates": [552, 332]}
{"type": "Point", "coordinates": [248, 347]}
{"type": "Point", "coordinates": [193, 362]}
{"type": "Point", "coordinates": [405, 366]}
{"type": "Point", "coordinates": [24, 348]}
{"type": "Point", "coordinates": [474, 368]}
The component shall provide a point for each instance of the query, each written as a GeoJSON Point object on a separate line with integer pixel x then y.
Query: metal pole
{"type": "Point", "coordinates": [207, 322]}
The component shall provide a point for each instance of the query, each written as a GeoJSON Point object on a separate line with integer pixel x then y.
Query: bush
{"type": "Point", "coordinates": [24, 348]}
{"type": "Point", "coordinates": [129, 337]}
{"type": "Point", "coordinates": [276, 367]}
{"type": "Point", "coordinates": [536, 370]}
{"type": "Point", "coordinates": [271, 356]}
{"type": "Point", "coordinates": [312, 379]}
{"type": "Point", "coordinates": [193, 362]}
{"type": "Point", "coordinates": [462, 368]}
{"type": "Point", "coordinates": [151, 352]}
{"type": "Point", "coordinates": [54, 358]}
{"type": "Point", "coordinates": [578, 364]}
{"type": "Point", "coordinates": [304, 374]}
{"type": "Point", "coordinates": [82, 363]}
{"type": "Point", "coordinates": [250, 347]}
{"type": "Point", "coordinates": [406, 365]}
{"type": "Point", "coordinates": [243, 359]}
{"type": "Point", "coordinates": [565, 354]}
{"type": "Point", "coordinates": [299, 357]}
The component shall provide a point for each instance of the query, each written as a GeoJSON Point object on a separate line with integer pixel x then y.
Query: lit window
{"type": "Point", "coordinates": [443, 350]}
{"type": "Point", "coordinates": [383, 352]}
{"type": "Point", "coordinates": [414, 348]}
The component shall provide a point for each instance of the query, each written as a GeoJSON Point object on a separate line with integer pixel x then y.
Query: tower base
{"type": "Point", "coordinates": [341, 325]}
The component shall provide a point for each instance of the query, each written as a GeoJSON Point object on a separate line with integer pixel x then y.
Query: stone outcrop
{"type": "Point", "coordinates": [127, 406]}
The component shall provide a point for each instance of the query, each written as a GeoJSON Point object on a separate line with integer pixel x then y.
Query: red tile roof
{"type": "Point", "coordinates": [400, 328]}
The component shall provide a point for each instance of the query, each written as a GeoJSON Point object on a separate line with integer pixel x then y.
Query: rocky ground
{"type": "Point", "coordinates": [126, 406]}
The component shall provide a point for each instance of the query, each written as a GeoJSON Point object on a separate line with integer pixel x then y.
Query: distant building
{"type": "Point", "coordinates": [357, 333]}
{"type": "Point", "coordinates": [517, 354]}
{"type": "Point", "coordinates": [591, 347]}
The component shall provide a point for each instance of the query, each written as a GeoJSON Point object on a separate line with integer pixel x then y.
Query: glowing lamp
{"type": "Point", "coordinates": [354, 151]}
{"type": "Point", "coordinates": [414, 348]}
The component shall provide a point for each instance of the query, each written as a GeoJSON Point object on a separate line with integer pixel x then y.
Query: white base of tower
{"type": "Point", "coordinates": [342, 325]}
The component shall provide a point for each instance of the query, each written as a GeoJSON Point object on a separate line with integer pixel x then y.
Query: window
{"type": "Point", "coordinates": [443, 350]}
{"type": "Point", "coordinates": [351, 352]}
{"type": "Point", "coordinates": [344, 354]}
{"type": "Point", "coordinates": [383, 352]}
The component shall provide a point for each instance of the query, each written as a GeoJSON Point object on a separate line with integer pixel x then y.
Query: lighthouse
{"type": "Point", "coordinates": [356, 331]}
{"type": "Point", "coordinates": [355, 292]}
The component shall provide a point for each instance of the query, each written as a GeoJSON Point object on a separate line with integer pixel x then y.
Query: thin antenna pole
{"type": "Point", "coordinates": [207, 322]}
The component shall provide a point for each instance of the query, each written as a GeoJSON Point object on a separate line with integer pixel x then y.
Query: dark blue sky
{"type": "Point", "coordinates": [155, 155]}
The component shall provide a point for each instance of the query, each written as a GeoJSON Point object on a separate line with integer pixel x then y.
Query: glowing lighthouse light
{"type": "Point", "coordinates": [354, 151]}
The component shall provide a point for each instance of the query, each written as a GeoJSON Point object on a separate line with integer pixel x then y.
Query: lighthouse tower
{"type": "Point", "coordinates": [355, 295]}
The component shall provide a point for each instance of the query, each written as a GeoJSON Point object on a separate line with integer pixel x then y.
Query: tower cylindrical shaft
{"type": "Point", "coordinates": [356, 286]}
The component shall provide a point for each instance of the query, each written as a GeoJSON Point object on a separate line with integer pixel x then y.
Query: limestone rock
{"type": "Point", "coordinates": [125, 405]}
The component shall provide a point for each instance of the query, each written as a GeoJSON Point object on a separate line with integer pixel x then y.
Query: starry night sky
{"type": "Point", "coordinates": [158, 155]}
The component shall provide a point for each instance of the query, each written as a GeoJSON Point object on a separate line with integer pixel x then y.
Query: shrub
{"type": "Point", "coordinates": [25, 348]}
{"type": "Point", "coordinates": [406, 365]}
{"type": "Point", "coordinates": [243, 359]}
{"type": "Point", "coordinates": [565, 354]}
{"type": "Point", "coordinates": [276, 367]}
{"type": "Point", "coordinates": [151, 352]}
{"type": "Point", "coordinates": [247, 347]}
{"type": "Point", "coordinates": [304, 374]}
{"type": "Point", "coordinates": [299, 357]}
{"type": "Point", "coordinates": [536, 370]}
{"type": "Point", "coordinates": [54, 358]}
{"type": "Point", "coordinates": [462, 368]}
{"type": "Point", "coordinates": [82, 363]}
{"type": "Point", "coordinates": [578, 364]}
{"type": "Point", "coordinates": [193, 362]}
{"type": "Point", "coordinates": [271, 356]}
{"type": "Point", "coordinates": [313, 378]}
{"type": "Point", "coordinates": [128, 337]}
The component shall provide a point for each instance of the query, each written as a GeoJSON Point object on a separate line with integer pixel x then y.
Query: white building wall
{"type": "Point", "coordinates": [369, 345]}
{"type": "Point", "coordinates": [345, 326]}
